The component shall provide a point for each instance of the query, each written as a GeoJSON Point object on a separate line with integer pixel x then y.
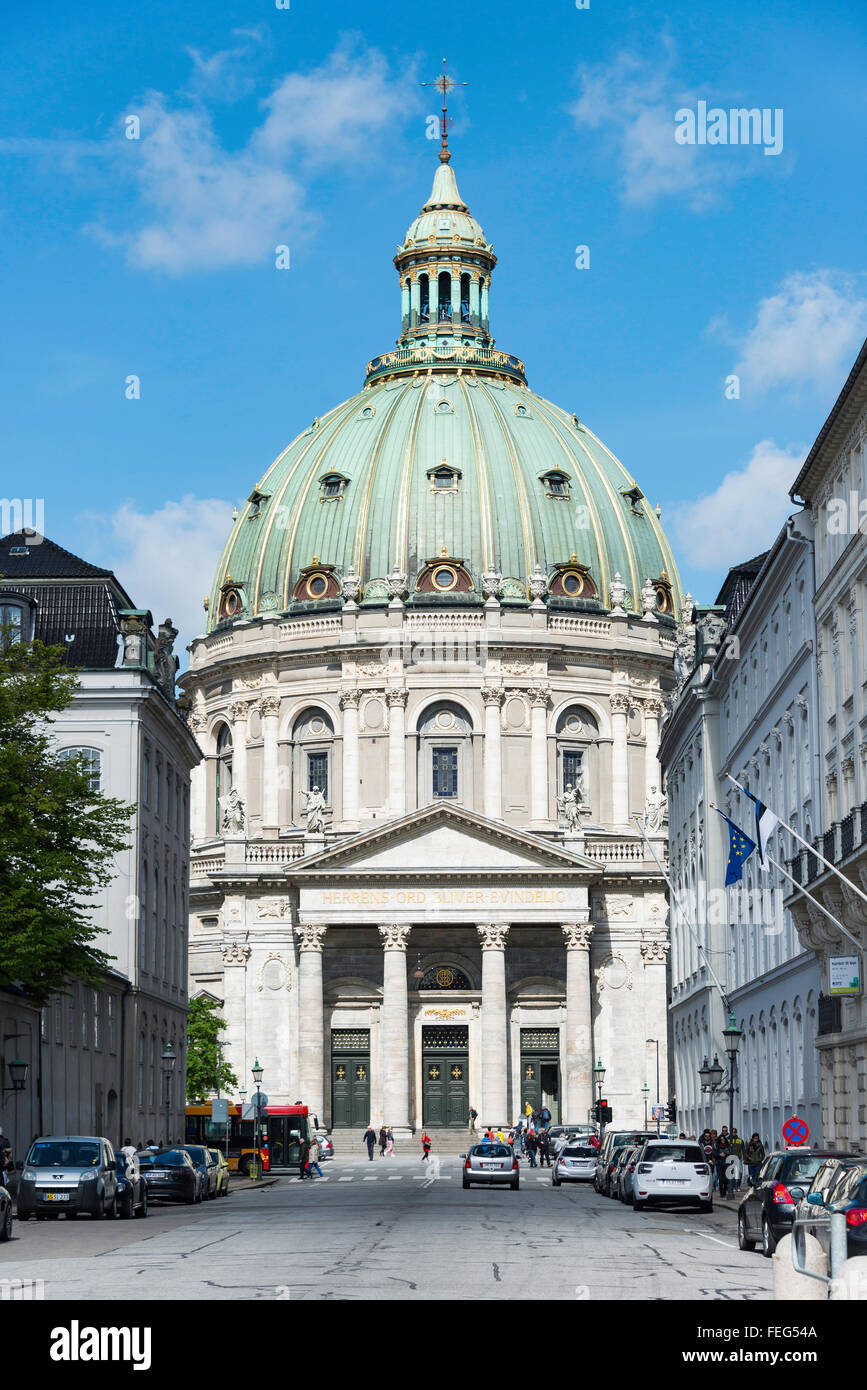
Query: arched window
{"type": "Point", "coordinates": [445, 754]}
{"type": "Point", "coordinates": [424, 298]}
{"type": "Point", "coordinates": [577, 756]}
{"type": "Point", "coordinates": [465, 298]}
{"type": "Point", "coordinates": [223, 770]}
{"type": "Point", "coordinates": [90, 762]}
{"type": "Point", "coordinates": [313, 740]}
{"type": "Point", "coordinates": [143, 924]}
{"type": "Point", "coordinates": [444, 287]}
{"type": "Point", "coordinates": [146, 774]}
{"type": "Point", "coordinates": [156, 922]}
{"type": "Point", "coordinates": [16, 621]}
{"type": "Point", "coordinates": [444, 977]}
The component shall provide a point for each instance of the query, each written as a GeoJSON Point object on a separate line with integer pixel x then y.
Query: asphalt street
{"type": "Point", "coordinates": [393, 1229]}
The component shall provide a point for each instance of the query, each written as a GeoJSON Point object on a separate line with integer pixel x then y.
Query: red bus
{"type": "Point", "coordinates": [280, 1133]}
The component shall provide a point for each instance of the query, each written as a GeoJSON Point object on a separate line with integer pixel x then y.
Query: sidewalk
{"type": "Point", "coordinates": [237, 1184]}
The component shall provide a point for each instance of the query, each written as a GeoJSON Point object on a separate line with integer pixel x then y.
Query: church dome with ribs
{"type": "Point", "coordinates": [445, 479]}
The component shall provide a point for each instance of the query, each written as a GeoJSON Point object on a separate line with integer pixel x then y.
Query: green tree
{"type": "Point", "coordinates": [204, 1027]}
{"type": "Point", "coordinates": [58, 833]}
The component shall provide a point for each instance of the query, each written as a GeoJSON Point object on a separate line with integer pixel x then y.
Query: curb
{"type": "Point", "coordinates": [247, 1184]}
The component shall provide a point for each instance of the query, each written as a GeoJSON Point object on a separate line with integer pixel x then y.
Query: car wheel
{"type": "Point", "coordinates": [127, 1206]}
{"type": "Point", "coordinates": [743, 1242]}
{"type": "Point", "coordinates": [706, 1206]}
{"type": "Point", "coordinates": [769, 1243]}
{"type": "Point", "coordinates": [514, 1185]}
{"type": "Point", "coordinates": [143, 1209]}
{"type": "Point", "coordinates": [111, 1209]}
{"type": "Point", "coordinates": [100, 1208]}
{"type": "Point", "coordinates": [637, 1205]}
{"type": "Point", "coordinates": [6, 1228]}
{"type": "Point", "coordinates": [465, 1184]}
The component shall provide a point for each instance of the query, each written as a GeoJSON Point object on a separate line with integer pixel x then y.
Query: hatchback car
{"type": "Point", "coordinates": [623, 1156]}
{"type": "Point", "coordinates": [219, 1159]}
{"type": "Point", "coordinates": [75, 1174]}
{"type": "Point", "coordinates": [615, 1139]}
{"type": "Point", "coordinates": [767, 1208]}
{"type": "Point", "coordinates": [491, 1163]}
{"type": "Point", "coordinates": [574, 1163]}
{"type": "Point", "coordinates": [171, 1176]}
{"type": "Point", "coordinates": [5, 1214]}
{"type": "Point", "coordinates": [671, 1170]}
{"type": "Point", "coordinates": [627, 1176]}
{"type": "Point", "coordinates": [848, 1194]}
{"type": "Point", "coordinates": [206, 1166]}
{"type": "Point", "coordinates": [326, 1146]}
{"type": "Point", "coordinates": [132, 1188]}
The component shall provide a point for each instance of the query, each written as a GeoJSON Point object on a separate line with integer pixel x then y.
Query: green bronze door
{"type": "Point", "coordinates": [350, 1078]}
{"type": "Point", "coordinates": [445, 1078]}
{"type": "Point", "coordinates": [540, 1070]}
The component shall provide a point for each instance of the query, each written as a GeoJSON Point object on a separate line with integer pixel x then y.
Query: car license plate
{"type": "Point", "coordinates": [674, 1182]}
{"type": "Point", "coordinates": [492, 1165]}
{"type": "Point", "coordinates": [56, 1196]}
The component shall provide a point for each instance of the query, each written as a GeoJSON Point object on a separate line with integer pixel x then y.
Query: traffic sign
{"type": "Point", "coordinates": [795, 1131]}
{"type": "Point", "coordinates": [220, 1110]}
{"type": "Point", "coordinates": [259, 1100]}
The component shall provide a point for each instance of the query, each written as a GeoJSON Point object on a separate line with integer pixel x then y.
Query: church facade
{"type": "Point", "coordinates": [428, 700]}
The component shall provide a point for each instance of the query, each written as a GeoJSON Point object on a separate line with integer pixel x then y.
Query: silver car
{"type": "Point", "coordinates": [72, 1174]}
{"type": "Point", "coordinates": [574, 1163]}
{"type": "Point", "coordinates": [491, 1163]}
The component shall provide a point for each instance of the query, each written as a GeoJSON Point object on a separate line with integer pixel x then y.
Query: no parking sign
{"type": "Point", "coordinates": [795, 1131]}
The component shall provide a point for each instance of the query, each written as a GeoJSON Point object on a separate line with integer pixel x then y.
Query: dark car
{"type": "Point", "coordinates": [171, 1176]}
{"type": "Point", "coordinates": [222, 1172]}
{"type": "Point", "coordinates": [846, 1191]}
{"type": "Point", "coordinates": [75, 1174]}
{"type": "Point", "coordinates": [132, 1188]}
{"type": "Point", "coordinates": [5, 1214]}
{"type": "Point", "coordinates": [207, 1167]}
{"type": "Point", "coordinates": [623, 1156]}
{"type": "Point", "coordinates": [767, 1208]}
{"type": "Point", "coordinates": [613, 1140]}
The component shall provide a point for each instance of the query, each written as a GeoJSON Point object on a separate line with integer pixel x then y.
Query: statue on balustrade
{"type": "Point", "coordinates": [315, 811]}
{"type": "Point", "coordinates": [234, 817]}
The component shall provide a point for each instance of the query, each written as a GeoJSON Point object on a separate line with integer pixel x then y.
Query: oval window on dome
{"type": "Point", "coordinates": [317, 585]}
{"type": "Point", "coordinates": [445, 577]}
{"type": "Point", "coordinates": [573, 584]}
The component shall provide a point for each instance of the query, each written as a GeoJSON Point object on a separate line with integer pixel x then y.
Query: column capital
{"type": "Point", "coordinates": [235, 953]}
{"type": "Point", "coordinates": [577, 935]}
{"type": "Point", "coordinates": [270, 705]}
{"type": "Point", "coordinates": [198, 723]}
{"type": "Point", "coordinates": [396, 697]}
{"type": "Point", "coordinates": [311, 935]}
{"type": "Point", "coordinates": [620, 703]}
{"type": "Point", "coordinates": [349, 699]}
{"type": "Point", "coordinates": [655, 951]}
{"type": "Point", "coordinates": [539, 695]}
{"type": "Point", "coordinates": [493, 935]}
{"type": "Point", "coordinates": [653, 708]}
{"type": "Point", "coordinates": [394, 935]}
{"type": "Point", "coordinates": [238, 710]}
{"type": "Point", "coordinates": [492, 695]}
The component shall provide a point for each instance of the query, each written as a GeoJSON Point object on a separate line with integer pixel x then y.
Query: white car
{"type": "Point", "coordinates": [574, 1163]}
{"type": "Point", "coordinates": [672, 1170]}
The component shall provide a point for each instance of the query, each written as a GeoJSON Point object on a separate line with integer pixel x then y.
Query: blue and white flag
{"type": "Point", "coordinates": [766, 824]}
{"type": "Point", "coordinates": [740, 849]}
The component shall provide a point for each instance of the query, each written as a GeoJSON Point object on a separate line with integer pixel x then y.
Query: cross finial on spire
{"type": "Point", "coordinates": [444, 84]}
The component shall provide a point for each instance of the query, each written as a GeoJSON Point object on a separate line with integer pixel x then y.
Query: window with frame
{"type": "Point", "coordinates": [89, 761]}
{"type": "Point", "coordinates": [444, 771]}
{"type": "Point", "coordinates": [317, 772]}
{"type": "Point", "coordinates": [223, 771]}
{"type": "Point", "coordinates": [112, 1023]}
{"type": "Point", "coordinates": [572, 763]}
{"type": "Point", "coordinates": [157, 780]}
{"type": "Point", "coordinates": [97, 1021]}
{"type": "Point", "coordinates": [146, 775]}
{"type": "Point", "coordinates": [12, 625]}
{"type": "Point", "coordinates": [143, 922]}
{"type": "Point", "coordinates": [72, 1017]}
{"type": "Point", "coordinates": [58, 1021]}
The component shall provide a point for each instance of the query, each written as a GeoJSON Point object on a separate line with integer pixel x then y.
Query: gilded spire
{"type": "Point", "coordinates": [445, 85]}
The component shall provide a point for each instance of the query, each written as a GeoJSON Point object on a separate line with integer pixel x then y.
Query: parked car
{"type": "Point", "coordinates": [222, 1172]}
{"type": "Point", "coordinates": [671, 1170]}
{"type": "Point", "coordinates": [207, 1167]}
{"type": "Point", "coordinates": [627, 1176]}
{"type": "Point", "coordinates": [766, 1210]}
{"type": "Point", "coordinates": [326, 1146]}
{"type": "Point", "coordinates": [75, 1174]}
{"type": "Point", "coordinates": [171, 1176]}
{"type": "Point", "coordinates": [574, 1163]}
{"type": "Point", "coordinates": [559, 1134]}
{"type": "Point", "coordinates": [622, 1157]}
{"type": "Point", "coordinates": [613, 1140]}
{"type": "Point", "coordinates": [132, 1188]}
{"type": "Point", "coordinates": [848, 1194]}
{"type": "Point", "coordinates": [5, 1214]}
{"type": "Point", "coordinates": [491, 1163]}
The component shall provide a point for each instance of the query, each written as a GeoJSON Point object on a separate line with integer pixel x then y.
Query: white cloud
{"type": "Point", "coordinates": [807, 333]}
{"type": "Point", "coordinates": [166, 559]}
{"type": "Point", "coordinates": [742, 516]}
{"type": "Point", "coordinates": [633, 100]}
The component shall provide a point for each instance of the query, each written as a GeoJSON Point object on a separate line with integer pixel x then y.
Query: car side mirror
{"type": "Point", "coordinates": [463, 1155]}
{"type": "Point", "coordinates": [112, 1167]}
{"type": "Point", "coordinates": [797, 1193]}
{"type": "Point", "coordinates": [816, 1199]}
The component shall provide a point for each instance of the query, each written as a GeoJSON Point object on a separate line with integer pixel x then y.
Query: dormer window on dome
{"type": "Point", "coordinates": [556, 484]}
{"type": "Point", "coordinates": [331, 487]}
{"type": "Point", "coordinates": [445, 575]}
{"type": "Point", "coordinates": [231, 599]}
{"type": "Point", "coordinates": [256, 499]}
{"type": "Point", "coordinates": [633, 495]}
{"type": "Point", "coordinates": [573, 581]}
{"type": "Point", "coordinates": [444, 478]}
{"type": "Point", "coordinates": [317, 581]}
{"type": "Point", "coordinates": [664, 595]}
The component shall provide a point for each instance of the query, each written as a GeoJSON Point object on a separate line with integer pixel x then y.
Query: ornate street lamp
{"type": "Point", "coordinates": [599, 1077]}
{"type": "Point", "coordinates": [732, 1034]}
{"type": "Point", "coordinates": [17, 1075]}
{"type": "Point", "coordinates": [257, 1071]}
{"type": "Point", "coordinates": [655, 1042]}
{"type": "Point", "coordinates": [168, 1060]}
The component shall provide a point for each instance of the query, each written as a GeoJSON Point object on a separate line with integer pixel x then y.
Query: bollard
{"type": "Point", "coordinates": [788, 1284]}
{"type": "Point", "coordinates": [851, 1280]}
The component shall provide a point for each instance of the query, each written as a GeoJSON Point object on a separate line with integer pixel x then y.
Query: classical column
{"type": "Point", "coordinates": [495, 1105]}
{"type": "Point", "coordinates": [311, 1024]}
{"type": "Point", "coordinates": [415, 301]}
{"type": "Point", "coordinates": [652, 773]}
{"type": "Point", "coordinates": [238, 711]}
{"type": "Point", "coordinates": [484, 303]}
{"type": "Point", "coordinates": [404, 305]}
{"type": "Point", "coordinates": [198, 784]}
{"type": "Point", "coordinates": [578, 1085]}
{"type": "Point", "coordinates": [456, 295]}
{"type": "Point", "coordinates": [539, 753]}
{"type": "Point", "coordinates": [619, 760]}
{"type": "Point", "coordinates": [396, 751]}
{"type": "Point", "coordinates": [270, 755]}
{"type": "Point", "coordinates": [654, 953]}
{"type": "Point", "coordinates": [395, 1032]}
{"type": "Point", "coordinates": [349, 703]}
{"type": "Point", "coordinates": [493, 699]}
{"type": "Point", "coordinates": [235, 956]}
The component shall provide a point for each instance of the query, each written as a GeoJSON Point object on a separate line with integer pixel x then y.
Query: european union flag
{"type": "Point", "coordinates": [740, 849]}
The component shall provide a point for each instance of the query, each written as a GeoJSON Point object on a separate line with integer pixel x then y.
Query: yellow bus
{"type": "Point", "coordinates": [281, 1130]}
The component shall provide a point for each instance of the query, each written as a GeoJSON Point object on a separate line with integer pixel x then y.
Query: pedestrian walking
{"type": "Point", "coordinates": [546, 1116]}
{"type": "Point", "coordinates": [425, 1146]}
{"type": "Point", "coordinates": [303, 1159]}
{"type": "Point", "coordinates": [390, 1149]}
{"type": "Point", "coordinates": [313, 1157]}
{"type": "Point", "coordinates": [474, 1115]}
{"type": "Point", "coordinates": [532, 1145]}
{"type": "Point", "coordinates": [754, 1157]}
{"type": "Point", "coordinates": [722, 1156]}
{"type": "Point", "coordinates": [736, 1167]}
{"type": "Point", "coordinates": [383, 1141]}
{"type": "Point", "coordinates": [544, 1149]}
{"type": "Point", "coordinates": [369, 1138]}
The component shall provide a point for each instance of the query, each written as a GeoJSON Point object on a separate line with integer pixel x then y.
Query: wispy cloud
{"type": "Point", "coordinates": [743, 514]}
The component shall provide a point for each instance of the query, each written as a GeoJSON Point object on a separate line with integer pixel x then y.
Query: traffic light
{"type": "Point", "coordinates": [672, 1111]}
{"type": "Point", "coordinates": [597, 1111]}
{"type": "Point", "coordinates": [606, 1113]}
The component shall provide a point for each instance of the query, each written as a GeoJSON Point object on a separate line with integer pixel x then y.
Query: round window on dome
{"type": "Point", "coordinates": [316, 585]}
{"type": "Point", "coordinates": [573, 584]}
{"type": "Point", "coordinates": [444, 577]}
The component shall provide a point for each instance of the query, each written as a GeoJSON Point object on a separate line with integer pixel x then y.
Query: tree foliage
{"type": "Point", "coordinates": [204, 1027]}
{"type": "Point", "coordinates": [58, 833]}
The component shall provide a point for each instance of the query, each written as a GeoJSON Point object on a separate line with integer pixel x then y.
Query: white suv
{"type": "Point", "coordinates": [672, 1170]}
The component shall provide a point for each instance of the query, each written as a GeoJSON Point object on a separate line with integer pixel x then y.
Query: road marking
{"type": "Point", "coordinates": [368, 1179]}
{"type": "Point", "coordinates": [344, 1179]}
{"type": "Point", "coordinates": [398, 1179]}
{"type": "Point", "coordinates": [715, 1239]}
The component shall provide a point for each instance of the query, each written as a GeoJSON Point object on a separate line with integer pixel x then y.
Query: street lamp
{"type": "Point", "coordinates": [168, 1060]}
{"type": "Point", "coordinates": [655, 1042]}
{"type": "Point", "coordinates": [599, 1077]}
{"type": "Point", "coordinates": [732, 1034]}
{"type": "Point", "coordinates": [17, 1069]}
{"type": "Point", "coordinates": [645, 1091]}
{"type": "Point", "coordinates": [257, 1077]}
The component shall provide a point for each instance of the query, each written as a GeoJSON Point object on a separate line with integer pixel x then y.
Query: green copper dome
{"type": "Point", "coordinates": [445, 463]}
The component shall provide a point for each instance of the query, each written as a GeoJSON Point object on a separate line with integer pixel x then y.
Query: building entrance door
{"type": "Point", "coordinates": [445, 1077]}
{"type": "Point", "coordinates": [540, 1070]}
{"type": "Point", "coordinates": [350, 1078]}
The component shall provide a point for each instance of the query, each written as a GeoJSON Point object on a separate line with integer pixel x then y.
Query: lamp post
{"type": "Point", "coordinates": [732, 1034]}
{"type": "Point", "coordinates": [168, 1060]}
{"type": "Point", "coordinates": [655, 1042]}
{"type": "Point", "coordinates": [257, 1077]}
{"type": "Point", "coordinates": [645, 1091]}
{"type": "Point", "coordinates": [599, 1077]}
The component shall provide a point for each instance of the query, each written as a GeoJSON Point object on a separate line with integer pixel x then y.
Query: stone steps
{"type": "Point", "coordinates": [446, 1142]}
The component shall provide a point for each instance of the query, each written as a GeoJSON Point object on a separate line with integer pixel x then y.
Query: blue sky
{"type": "Point", "coordinates": [306, 126]}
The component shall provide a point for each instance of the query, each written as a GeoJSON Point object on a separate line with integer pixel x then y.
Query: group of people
{"type": "Point", "coordinates": [728, 1155]}
{"type": "Point", "coordinates": [386, 1141]}
{"type": "Point", "coordinates": [309, 1154]}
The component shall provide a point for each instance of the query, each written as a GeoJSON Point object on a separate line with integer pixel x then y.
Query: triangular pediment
{"type": "Point", "coordinates": [444, 840]}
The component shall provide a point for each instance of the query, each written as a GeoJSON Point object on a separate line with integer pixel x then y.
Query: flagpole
{"type": "Point", "coordinates": [829, 915]}
{"type": "Point", "coordinates": [807, 845]}
{"type": "Point", "coordinates": [690, 927]}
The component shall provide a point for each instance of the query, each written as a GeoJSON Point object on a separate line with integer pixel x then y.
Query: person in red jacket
{"type": "Point", "coordinates": [425, 1146]}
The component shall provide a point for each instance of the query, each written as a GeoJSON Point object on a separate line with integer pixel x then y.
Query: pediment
{"type": "Point", "coordinates": [443, 840]}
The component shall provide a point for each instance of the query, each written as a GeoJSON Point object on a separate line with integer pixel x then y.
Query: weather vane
{"type": "Point", "coordinates": [445, 85]}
